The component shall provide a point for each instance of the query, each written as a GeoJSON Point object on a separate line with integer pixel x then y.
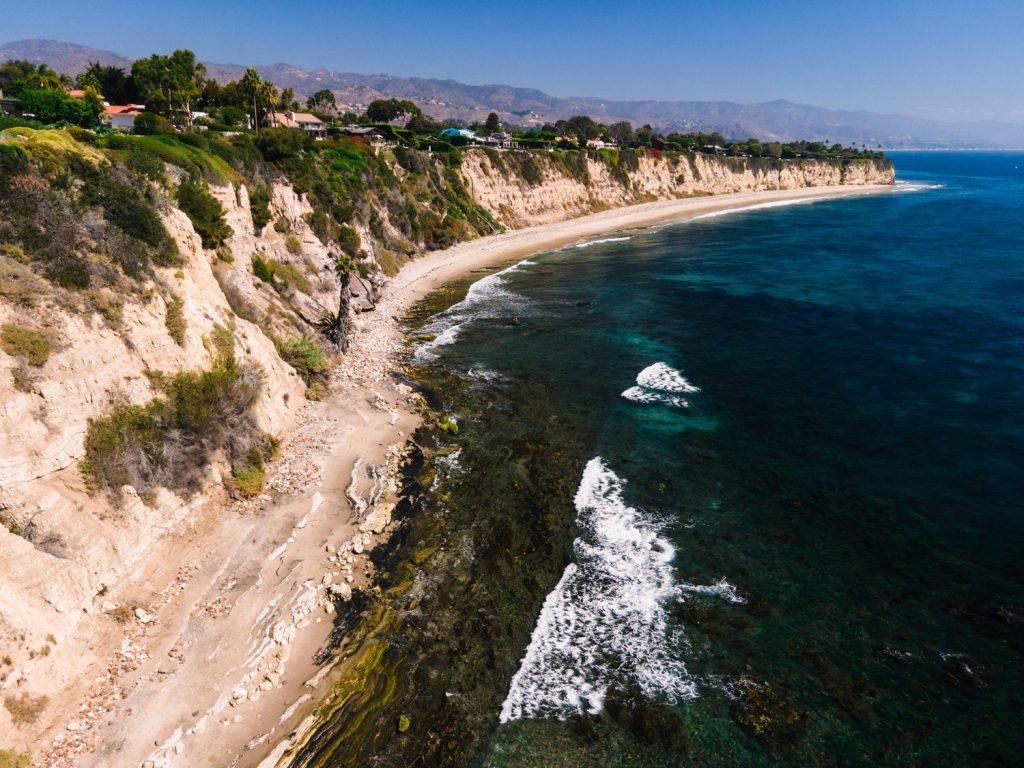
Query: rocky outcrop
{"type": "Point", "coordinates": [523, 189]}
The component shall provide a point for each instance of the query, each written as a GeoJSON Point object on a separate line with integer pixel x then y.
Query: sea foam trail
{"type": "Point", "coordinates": [605, 622]}
{"type": "Point", "coordinates": [485, 298]}
{"type": "Point", "coordinates": [757, 207]}
{"type": "Point", "coordinates": [660, 383]}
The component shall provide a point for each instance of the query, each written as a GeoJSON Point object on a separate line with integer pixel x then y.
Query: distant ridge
{"type": "Point", "coordinates": [770, 120]}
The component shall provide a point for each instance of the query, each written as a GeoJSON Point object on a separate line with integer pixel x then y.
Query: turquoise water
{"type": "Point", "coordinates": [745, 490]}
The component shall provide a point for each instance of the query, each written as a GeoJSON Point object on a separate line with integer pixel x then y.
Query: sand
{"type": "Point", "coordinates": [238, 602]}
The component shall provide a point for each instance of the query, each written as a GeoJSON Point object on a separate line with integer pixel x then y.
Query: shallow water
{"type": "Point", "coordinates": [744, 490]}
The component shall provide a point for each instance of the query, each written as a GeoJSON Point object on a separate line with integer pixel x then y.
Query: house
{"type": "Point", "coordinates": [599, 144]}
{"type": "Point", "coordinates": [122, 116]}
{"type": "Point", "coordinates": [302, 121]}
{"type": "Point", "coordinates": [503, 140]}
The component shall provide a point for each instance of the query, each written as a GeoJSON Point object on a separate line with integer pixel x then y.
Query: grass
{"type": "Point", "coordinates": [19, 285]}
{"type": "Point", "coordinates": [25, 709]}
{"type": "Point", "coordinates": [174, 319]}
{"type": "Point", "coordinates": [306, 356]}
{"type": "Point", "coordinates": [197, 160]}
{"type": "Point", "coordinates": [23, 342]}
{"type": "Point", "coordinates": [11, 759]}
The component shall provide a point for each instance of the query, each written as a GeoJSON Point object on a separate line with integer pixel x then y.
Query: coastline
{"type": "Point", "coordinates": [284, 548]}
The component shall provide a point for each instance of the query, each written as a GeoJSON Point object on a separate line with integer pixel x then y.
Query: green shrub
{"type": "Point", "coordinates": [53, 105]}
{"type": "Point", "coordinates": [348, 239]}
{"type": "Point", "coordinates": [149, 123]}
{"type": "Point", "coordinates": [24, 342]}
{"type": "Point", "coordinates": [170, 438]}
{"type": "Point", "coordinates": [293, 245]}
{"type": "Point", "coordinates": [306, 356]}
{"type": "Point", "coordinates": [174, 319]}
{"type": "Point", "coordinates": [259, 207]}
{"type": "Point", "coordinates": [280, 143]}
{"type": "Point", "coordinates": [205, 212]}
{"type": "Point", "coordinates": [248, 480]}
{"type": "Point", "coordinates": [124, 207]}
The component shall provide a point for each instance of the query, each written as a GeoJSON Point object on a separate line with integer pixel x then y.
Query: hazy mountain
{"type": "Point", "coordinates": [779, 119]}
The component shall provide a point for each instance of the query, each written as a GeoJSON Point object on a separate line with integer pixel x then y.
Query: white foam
{"type": "Point", "coordinates": [661, 384]}
{"type": "Point", "coordinates": [485, 298]}
{"type": "Point", "coordinates": [589, 243]}
{"type": "Point", "coordinates": [915, 186]}
{"type": "Point", "coordinates": [757, 207]}
{"type": "Point", "coordinates": [605, 621]}
{"type": "Point", "coordinates": [647, 396]}
{"type": "Point", "coordinates": [721, 588]}
{"type": "Point", "coordinates": [664, 377]}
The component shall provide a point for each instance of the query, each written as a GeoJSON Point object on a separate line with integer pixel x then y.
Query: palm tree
{"type": "Point", "coordinates": [334, 325]}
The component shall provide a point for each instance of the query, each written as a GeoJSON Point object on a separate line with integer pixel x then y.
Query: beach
{"type": "Point", "coordinates": [220, 668]}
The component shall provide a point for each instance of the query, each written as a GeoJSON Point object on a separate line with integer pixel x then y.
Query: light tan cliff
{"type": "Point", "coordinates": [499, 181]}
{"type": "Point", "coordinates": [62, 546]}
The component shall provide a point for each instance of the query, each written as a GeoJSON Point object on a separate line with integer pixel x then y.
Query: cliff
{"type": "Point", "coordinates": [525, 188]}
{"type": "Point", "coordinates": [155, 347]}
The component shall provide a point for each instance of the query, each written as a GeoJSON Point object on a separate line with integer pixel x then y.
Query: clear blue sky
{"type": "Point", "coordinates": [929, 58]}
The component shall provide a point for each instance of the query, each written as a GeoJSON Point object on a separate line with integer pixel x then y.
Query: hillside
{"type": "Point", "coordinates": [771, 120]}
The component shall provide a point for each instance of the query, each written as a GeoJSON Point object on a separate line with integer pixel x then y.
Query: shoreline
{"type": "Point", "coordinates": [223, 671]}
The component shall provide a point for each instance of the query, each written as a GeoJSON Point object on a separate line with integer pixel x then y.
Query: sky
{"type": "Point", "coordinates": [938, 59]}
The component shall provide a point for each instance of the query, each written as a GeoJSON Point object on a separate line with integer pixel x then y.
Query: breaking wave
{"type": "Point", "coordinates": [485, 298]}
{"type": "Point", "coordinates": [662, 384]}
{"type": "Point", "coordinates": [589, 243]}
{"type": "Point", "coordinates": [605, 622]}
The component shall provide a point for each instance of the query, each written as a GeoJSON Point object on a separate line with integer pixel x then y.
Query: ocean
{"type": "Point", "coordinates": [745, 490]}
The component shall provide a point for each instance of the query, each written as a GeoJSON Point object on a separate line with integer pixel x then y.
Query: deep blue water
{"type": "Point", "coordinates": [796, 542]}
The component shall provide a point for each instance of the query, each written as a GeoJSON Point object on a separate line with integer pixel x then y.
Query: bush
{"type": "Point", "coordinates": [306, 356]}
{"type": "Point", "coordinates": [20, 285]}
{"type": "Point", "coordinates": [293, 244]}
{"type": "Point", "coordinates": [259, 207]}
{"type": "Point", "coordinates": [24, 342]}
{"type": "Point", "coordinates": [125, 208]}
{"type": "Point", "coordinates": [149, 123]}
{"type": "Point", "coordinates": [25, 709]}
{"type": "Point", "coordinates": [52, 105]}
{"type": "Point", "coordinates": [249, 480]}
{"type": "Point", "coordinates": [280, 143]}
{"type": "Point", "coordinates": [170, 438]}
{"type": "Point", "coordinates": [205, 212]}
{"type": "Point", "coordinates": [174, 319]}
{"type": "Point", "coordinates": [348, 239]}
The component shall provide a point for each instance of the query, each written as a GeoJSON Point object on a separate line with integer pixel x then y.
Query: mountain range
{"type": "Point", "coordinates": [448, 99]}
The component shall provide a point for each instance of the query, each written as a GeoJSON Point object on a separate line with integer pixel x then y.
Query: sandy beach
{"type": "Point", "coordinates": [219, 669]}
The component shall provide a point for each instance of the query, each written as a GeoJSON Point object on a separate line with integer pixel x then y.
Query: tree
{"type": "Point", "coordinates": [386, 110]}
{"type": "Point", "coordinates": [322, 101]}
{"type": "Point", "coordinates": [260, 95]}
{"type": "Point", "coordinates": [287, 100]}
{"type": "Point", "coordinates": [113, 83]}
{"type": "Point", "coordinates": [621, 133]}
{"type": "Point", "coordinates": [53, 105]}
{"type": "Point", "coordinates": [170, 84]}
{"type": "Point", "coordinates": [492, 124]}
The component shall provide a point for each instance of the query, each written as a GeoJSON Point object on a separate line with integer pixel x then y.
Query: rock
{"type": "Point", "coordinates": [326, 579]}
{"type": "Point", "coordinates": [74, 725]}
{"type": "Point", "coordinates": [143, 616]}
{"type": "Point", "coordinates": [266, 685]}
{"type": "Point", "coordinates": [344, 591]}
{"type": "Point", "coordinates": [239, 694]}
{"type": "Point", "coordinates": [167, 667]}
{"type": "Point", "coordinates": [378, 519]}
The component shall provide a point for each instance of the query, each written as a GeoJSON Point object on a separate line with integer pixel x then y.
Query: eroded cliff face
{"type": "Point", "coordinates": [62, 545]}
{"type": "Point", "coordinates": [522, 189]}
